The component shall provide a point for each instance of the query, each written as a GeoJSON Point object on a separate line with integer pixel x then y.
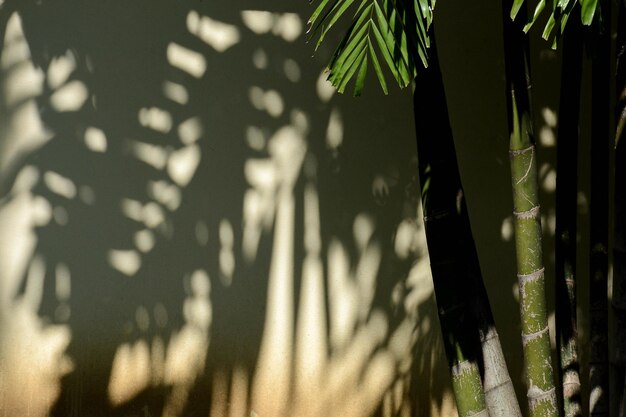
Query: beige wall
{"type": "Point", "coordinates": [194, 223]}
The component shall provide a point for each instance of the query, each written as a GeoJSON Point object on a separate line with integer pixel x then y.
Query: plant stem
{"type": "Point", "coordinates": [566, 203]}
{"type": "Point", "coordinates": [528, 240]}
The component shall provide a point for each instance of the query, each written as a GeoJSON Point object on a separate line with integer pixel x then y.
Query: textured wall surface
{"type": "Point", "coordinates": [193, 223]}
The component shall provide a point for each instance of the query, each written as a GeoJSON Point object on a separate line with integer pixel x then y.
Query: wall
{"type": "Point", "coordinates": [194, 223]}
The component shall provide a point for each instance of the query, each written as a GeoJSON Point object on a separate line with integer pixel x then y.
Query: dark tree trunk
{"type": "Point", "coordinates": [598, 217]}
{"type": "Point", "coordinates": [466, 320]}
{"type": "Point", "coordinates": [618, 400]}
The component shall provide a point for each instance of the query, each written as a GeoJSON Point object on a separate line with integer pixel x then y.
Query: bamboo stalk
{"type": "Point", "coordinates": [566, 203]}
{"type": "Point", "coordinates": [528, 240]}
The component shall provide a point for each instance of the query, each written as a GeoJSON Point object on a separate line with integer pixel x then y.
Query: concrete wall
{"type": "Point", "coordinates": [194, 223]}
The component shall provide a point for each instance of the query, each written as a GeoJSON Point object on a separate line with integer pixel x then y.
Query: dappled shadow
{"type": "Point", "coordinates": [206, 228]}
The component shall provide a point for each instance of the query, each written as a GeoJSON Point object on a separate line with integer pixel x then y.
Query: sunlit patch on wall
{"type": "Point", "coordinates": [257, 213]}
{"type": "Point", "coordinates": [165, 193]}
{"type": "Point", "coordinates": [419, 284]}
{"type": "Point", "coordinates": [286, 25]}
{"type": "Point", "coordinates": [133, 209]}
{"type": "Point", "coordinates": [153, 155]}
{"type": "Point", "coordinates": [130, 372]}
{"type": "Point", "coordinates": [95, 139]}
{"type": "Point", "coordinates": [41, 211]}
{"type": "Point", "coordinates": [549, 181]}
{"type": "Point", "coordinates": [185, 59]}
{"type": "Point", "coordinates": [258, 21]}
{"type": "Point", "coordinates": [363, 228]}
{"type": "Point", "coordinates": [334, 131]}
{"type": "Point", "coordinates": [255, 138]}
{"type": "Point", "coordinates": [256, 96]}
{"type": "Point", "coordinates": [401, 343]}
{"type": "Point", "coordinates": [261, 173]}
{"type": "Point", "coordinates": [342, 296]}
{"type": "Point", "coordinates": [547, 175]}
{"type": "Point", "coordinates": [218, 35]}
{"type": "Point", "coordinates": [69, 97]}
{"type": "Point", "coordinates": [547, 137]}
{"type": "Point", "coordinates": [227, 256]}
{"type": "Point", "coordinates": [273, 103]}
{"type": "Point", "coordinates": [59, 184]}
{"type": "Point", "coordinates": [506, 229]}
{"type": "Point", "coordinates": [182, 164]}
{"type": "Point", "coordinates": [270, 101]}
{"type": "Point", "coordinates": [63, 282]}
{"type": "Point", "coordinates": [15, 48]}
{"type": "Point", "coordinates": [144, 240]}
{"type": "Point", "coordinates": [127, 262]}
{"type": "Point", "coordinates": [32, 352]}
{"type": "Point", "coordinates": [190, 130]}
{"type": "Point", "coordinates": [175, 92]}
{"type": "Point", "coordinates": [24, 80]}
{"type": "Point", "coordinates": [325, 90]}
{"type": "Point", "coordinates": [312, 238]}
{"type": "Point", "coordinates": [186, 351]}
{"type": "Point", "coordinates": [259, 59]}
{"type": "Point", "coordinates": [239, 392]}
{"type": "Point", "coordinates": [155, 118]}
{"type": "Point", "coordinates": [406, 239]}
{"type": "Point", "coordinates": [366, 273]}
{"type": "Point", "coordinates": [292, 70]}
{"type": "Point", "coordinates": [549, 116]}
{"type": "Point", "coordinates": [288, 147]}
{"type": "Point", "coordinates": [300, 120]}
{"type": "Point", "coordinates": [152, 215]}
{"type": "Point", "coordinates": [60, 69]}
{"type": "Point", "coordinates": [25, 180]}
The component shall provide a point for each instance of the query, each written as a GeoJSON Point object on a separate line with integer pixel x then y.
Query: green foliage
{"type": "Point", "coordinates": [561, 10]}
{"type": "Point", "coordinates": [395, 30]}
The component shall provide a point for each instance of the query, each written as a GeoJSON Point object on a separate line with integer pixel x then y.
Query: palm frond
{"type": "Point", "coordinates": [394, 30]}
{"type": "Point", "coordinates": [561, 10]}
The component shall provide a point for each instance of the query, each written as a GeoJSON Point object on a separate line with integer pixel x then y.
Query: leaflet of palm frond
{"type": "Point", "coordinates": [394, 30]}
{"type": "Point", "coordinates": [559, 16]}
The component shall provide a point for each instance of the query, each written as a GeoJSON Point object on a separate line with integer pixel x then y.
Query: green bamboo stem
{"type": "Point", "coordinates": [530, 272]}
{"type": "Point", "coordinates": [566, 203]}
{"type": "Point", "coordinates": [541, 393]}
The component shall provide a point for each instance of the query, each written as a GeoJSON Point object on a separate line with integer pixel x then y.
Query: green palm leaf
{"type": "Point", "coordinates": [561, 10]}
{"type": "Point", "coordinates": [394, 30]}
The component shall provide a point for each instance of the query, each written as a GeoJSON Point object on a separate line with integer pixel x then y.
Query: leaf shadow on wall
{"type": "Point", "coordinates": [178, 175]}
